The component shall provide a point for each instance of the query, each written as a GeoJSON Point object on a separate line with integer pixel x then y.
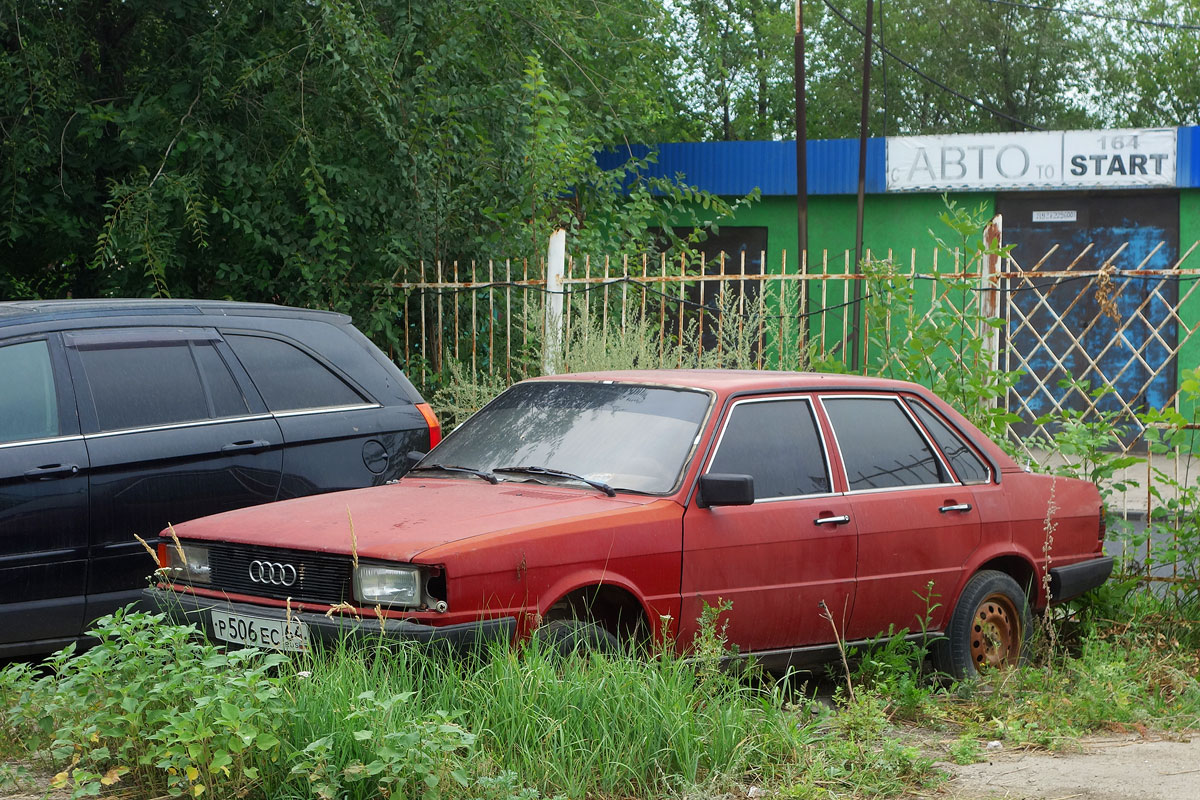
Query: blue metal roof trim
{"type": "Point", "coordinates": [1187, 157]}
{"type": "Point", "coordinates": [736, 168]}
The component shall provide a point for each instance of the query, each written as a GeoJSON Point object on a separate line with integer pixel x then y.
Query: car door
{"type": "Point", "coordinates": [786, 557]}
{"type": "Point", "coordinates": [336, 437]}
{"type": "Point", "coordinates": [43, 497]}
{"type": "Point", "coordinates": [917, 526]}
{"type": "Point", "coordinates": [171, 435]}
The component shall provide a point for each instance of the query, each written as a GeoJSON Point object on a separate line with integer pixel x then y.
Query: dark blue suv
{"type": "Point", "coordinates": [118, 417]}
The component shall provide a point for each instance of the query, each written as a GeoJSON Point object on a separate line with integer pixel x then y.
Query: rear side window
{"type": "Point", "coordinates": [880, 446]}
{"type": "Point", "coordinates": [776, 442]}
{"type": "Point", "coordinates": [159, 383]}
{"type": "Point", "coordinates": [288, 378]}
{"type": "Point", "coordinates": [962, 459]}
{"type": "Point", "coordinates": [28, 407]}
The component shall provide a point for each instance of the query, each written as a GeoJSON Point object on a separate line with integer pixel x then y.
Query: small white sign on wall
{"type": "Point", "coordinates": [1065, 215]}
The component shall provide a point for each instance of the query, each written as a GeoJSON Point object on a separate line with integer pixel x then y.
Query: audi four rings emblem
{"type": "Point", "coordinates": [272, 572]}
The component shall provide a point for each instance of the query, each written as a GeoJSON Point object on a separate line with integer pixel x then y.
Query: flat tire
{"type": "Point", "coordinates": [988, 629]}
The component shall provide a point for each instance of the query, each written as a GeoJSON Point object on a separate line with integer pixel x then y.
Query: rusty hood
{"type": "Point", "coordinates": [400, 521]}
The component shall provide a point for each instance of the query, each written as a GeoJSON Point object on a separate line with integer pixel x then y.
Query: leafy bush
{"type": "Point", "coordinates": [150, 705]}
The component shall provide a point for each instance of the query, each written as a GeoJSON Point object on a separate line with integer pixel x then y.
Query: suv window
{"type": "Point", "coordinates": [288, 378]}
{"type": "Point", "coordinates": [880, 446]}
{"type": "Point", "coordinates": [28, 407]}
{"type": "Point", "coordinates": [777, 442]}
{"type": "Point", "coordinates": [962, 460]}
{"type": "Point", "coordinates": [226, 396]}
{"type": "Point", "coordinates": [158, 383]}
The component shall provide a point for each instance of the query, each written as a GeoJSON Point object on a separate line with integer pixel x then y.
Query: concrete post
{"type": "Point", "coordinates": [552, 340]}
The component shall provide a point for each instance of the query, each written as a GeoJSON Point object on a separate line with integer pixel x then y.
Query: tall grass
{"type": "Point", "coordinates": [361, 721]}
{"type": "Point", "coordinates": [599, 725]}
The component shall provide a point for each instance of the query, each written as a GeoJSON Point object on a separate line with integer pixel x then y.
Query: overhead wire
{"type": "Point", "coordinates": [914, 69]}
{"type": "Point", "coordinates": [1097, 15]}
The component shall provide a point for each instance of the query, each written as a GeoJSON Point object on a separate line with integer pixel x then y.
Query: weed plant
{"type": "Point", "coordinates": [155, 711]}
{"type": "Point", "coordinates": [1112, 683]}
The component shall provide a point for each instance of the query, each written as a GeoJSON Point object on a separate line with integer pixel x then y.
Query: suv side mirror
{"type": "Point", "coordinates": [723, 489]}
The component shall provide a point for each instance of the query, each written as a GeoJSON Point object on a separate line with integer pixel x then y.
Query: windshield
{"type": "Point", "coordinates": [626, 436]}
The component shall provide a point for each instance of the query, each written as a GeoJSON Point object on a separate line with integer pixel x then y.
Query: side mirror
{"type": "Point", "coordinates": [722, 489]}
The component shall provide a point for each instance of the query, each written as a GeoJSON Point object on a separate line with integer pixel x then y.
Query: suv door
{"type": "Point", "coordinates": [172, 435]}
{"type": "Point", "coordinates": [917, 526]}
{"type": "Point", "coordinates": [777, 560]}
{"type": "Point", "coordinates": [43, 497]}
{"type": "Point", "coordinates": [336, 436]}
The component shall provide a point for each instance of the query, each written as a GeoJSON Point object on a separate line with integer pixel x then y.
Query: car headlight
{"type": "Point", "coordinates": [389, 586]}
{"type": "Point", "coordinates": [187, 564]}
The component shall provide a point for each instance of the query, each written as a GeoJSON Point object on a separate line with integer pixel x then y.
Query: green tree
{"type": "Point", "coordinates": [735, 67]}
{"type": "Point", "coordinates": [1025, 63]}
{"type": "Point", "coordinates": [732, 70]}
{"type": "Point", "coordinates": [307, 152]}
{"type": "Point", "coordinates": [1146, 73]}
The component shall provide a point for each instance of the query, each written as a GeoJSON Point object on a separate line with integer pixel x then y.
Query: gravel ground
{"type": "Point", "coordinates": [1103, 768]}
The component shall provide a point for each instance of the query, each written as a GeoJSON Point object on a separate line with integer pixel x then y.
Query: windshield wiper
{"type": "Point", "coordinates": [557, 473]}
{"type": "Point", "coordinates": [480, 473]}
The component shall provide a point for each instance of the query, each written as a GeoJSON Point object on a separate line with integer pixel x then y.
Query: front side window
{"type": "Point", "coordinates": [880, 446]}
{"type": "Point", "coordinates": [778, 444]}
{"type": "Point", "coordinates": [288, 378]}
{"type": "Point", "coordinates": [624, 435]}
{"type": "Point", "coordinates": [158, 383]}
{"type": "Point", "coordinates": [28, 406]}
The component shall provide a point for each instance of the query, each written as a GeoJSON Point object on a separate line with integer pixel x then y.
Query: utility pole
{"type": "Point", "coordinates": [801, 139]}
{"type": "Point", "coordinates": [801, 163]}
{"type": "Point", "coordinates": [862, 185]}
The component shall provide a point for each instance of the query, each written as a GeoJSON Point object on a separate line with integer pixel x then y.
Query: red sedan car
{"type": "Point", "coordinates": [615, 505]}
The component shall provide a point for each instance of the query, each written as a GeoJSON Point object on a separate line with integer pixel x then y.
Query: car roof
{"type": "Point", "coordinates": [22, 311]}
{"type": "Point", "coordinates": [727, 381]}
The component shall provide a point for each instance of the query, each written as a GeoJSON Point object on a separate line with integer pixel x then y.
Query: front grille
{"type": "Point", "coordinates": [320, 577]}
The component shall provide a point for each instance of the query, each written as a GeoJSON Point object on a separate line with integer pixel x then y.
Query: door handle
{"type": "Point", "coordinates": [248, 444]}
{"type": "Point", "coordinates": [841, 519]}
{"type": "Point", "coordinates": [955, 507]}
{"type": "Point", "coordinates": [50, 471]}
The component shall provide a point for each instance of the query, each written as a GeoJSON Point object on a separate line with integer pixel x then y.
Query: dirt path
{"type": "Point", "coordinates": [1108, 768]}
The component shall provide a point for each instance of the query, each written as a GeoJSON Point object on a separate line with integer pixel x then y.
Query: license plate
{"type": "Point", "coordinates": [272, 634]}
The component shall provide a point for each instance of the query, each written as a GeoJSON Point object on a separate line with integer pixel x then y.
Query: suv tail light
{"type": "Point", "coordinates": [435, 427]}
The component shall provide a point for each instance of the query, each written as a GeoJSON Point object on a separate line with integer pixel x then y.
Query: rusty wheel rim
{"type": "Point", "coordinates": [995, 633]}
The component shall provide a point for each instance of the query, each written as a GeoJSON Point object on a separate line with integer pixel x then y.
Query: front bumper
{"type": "Point", "coordinates": [1075, 579]}
{"type": "Point", "coordinates": [186, 609]}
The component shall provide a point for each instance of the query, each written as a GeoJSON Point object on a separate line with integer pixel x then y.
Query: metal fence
{"type": "Point", "coordinates": [1129, 330]}
{"type": "Point", "coordinates": [484, 315]}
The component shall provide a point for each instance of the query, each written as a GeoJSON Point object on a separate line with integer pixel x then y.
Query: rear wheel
{"type": "Point", "coordinates": [988, 629]}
